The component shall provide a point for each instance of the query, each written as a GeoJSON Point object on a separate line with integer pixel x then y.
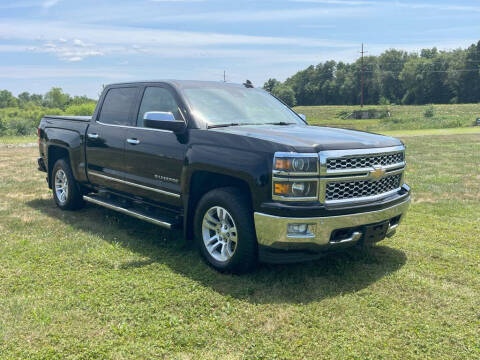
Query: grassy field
{"type": "Point", "coordinates": [403, 117]}
{"type": "Point", "coordinates": [95, 284]}
{"type": "Point", "coordinates": [12, 140]}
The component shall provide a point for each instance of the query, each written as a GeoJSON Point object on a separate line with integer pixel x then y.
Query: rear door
{"type": "Point", "coordinates": [105, 143]}
{"type": "Point", "coordinates": [154, 158]}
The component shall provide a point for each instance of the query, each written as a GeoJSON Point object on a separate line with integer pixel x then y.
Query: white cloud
{"type": "Point", "coordinates": [438, 6]}
{"type": "Point", "coordinates": [118, 41]}
{"type": "Point", "coordinates": [49, 3]}
{"type": "Point", "coordinates": [75, 51]}
{"type": "Point", "coordinates": [268, 15]}
{"type": "Point", "coordinates": [177, 1]}
{"type": "Point", "coordinates": [316, 26]}
{"type": "Point", "coordinates": [148, 38]}
{"type": "Point", "coordinates": [55, 72]}
{"type": "Point", "coordinates": [339, 2]}
{"type": "Point", "coordinates": [78, 42]}
{"type": "Point", "coordinates": [74, 58]}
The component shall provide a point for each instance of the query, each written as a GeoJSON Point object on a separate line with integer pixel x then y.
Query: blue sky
{"type": "Point", "coordinates": [80, 45]}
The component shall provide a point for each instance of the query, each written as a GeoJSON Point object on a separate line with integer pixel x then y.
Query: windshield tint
{"type": "Point", "coordinates": [228, 104]}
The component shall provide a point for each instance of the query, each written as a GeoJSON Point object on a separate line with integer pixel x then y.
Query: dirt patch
{"type": "Point", "coordinates": [27, 145]}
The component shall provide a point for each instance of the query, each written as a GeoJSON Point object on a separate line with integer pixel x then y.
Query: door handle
{"type": "Point", "coordinates": [133, 141]}
{"type": "Point", "coordinates": [92, 136]}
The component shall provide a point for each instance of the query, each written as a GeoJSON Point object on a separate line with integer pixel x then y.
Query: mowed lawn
{"type": "Point", "coordinates": [402, 117]}
{"type": "Point", "coordinates": [94, 284]}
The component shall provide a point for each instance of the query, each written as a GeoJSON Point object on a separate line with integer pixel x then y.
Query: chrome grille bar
{"type": "Point", "coordinates": [360, 174]}
{"type": "Point", "coordinates": [360, 162]}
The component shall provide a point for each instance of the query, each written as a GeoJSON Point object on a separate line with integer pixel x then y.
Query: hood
{"type": "Point", "coordinates": [313, 138]}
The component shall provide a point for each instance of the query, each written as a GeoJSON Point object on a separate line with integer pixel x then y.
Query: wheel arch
{"type": "Point", "coordinates": [201, 182]}
{"type": "Point", "coordinates": [55, 152]}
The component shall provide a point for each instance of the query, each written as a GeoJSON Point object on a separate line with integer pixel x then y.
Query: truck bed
{"type": "Point", "coordinates": [71, 118]}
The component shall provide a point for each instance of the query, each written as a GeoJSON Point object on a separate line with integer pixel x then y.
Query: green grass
{"type": "Point", "coordinates": [423, 132]}
{"type": "Point", "coordinates": [95, 284]}
{"type": "Point", "coordinates": [402, 117]}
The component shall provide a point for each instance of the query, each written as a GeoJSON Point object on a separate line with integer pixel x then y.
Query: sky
{"type": "Point", "coordinates": [79, 45]}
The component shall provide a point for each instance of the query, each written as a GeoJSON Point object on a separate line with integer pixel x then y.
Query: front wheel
{"type": "Point", "coordinates": [225, 232]}
{"type": "Point", "coordinates": [66, 193]}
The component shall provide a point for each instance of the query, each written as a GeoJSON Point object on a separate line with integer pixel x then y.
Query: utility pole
{"type": "Point", "coordinates": [362, 79]}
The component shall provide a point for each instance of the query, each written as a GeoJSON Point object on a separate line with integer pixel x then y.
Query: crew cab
{"type": "Point", "coordinates": [243, 174]}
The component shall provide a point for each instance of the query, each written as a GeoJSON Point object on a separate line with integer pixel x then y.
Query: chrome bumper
{"type": "Point", "coordinates": [272, 230]}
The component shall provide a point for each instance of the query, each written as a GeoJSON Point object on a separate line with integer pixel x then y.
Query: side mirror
{"type": "Point", "coordinates": [163, 120]}
{"type": "Point", "coordinates": [303, 117]}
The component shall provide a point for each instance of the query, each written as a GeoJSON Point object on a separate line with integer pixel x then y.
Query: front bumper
{"type": "Point", "coordinates": [325, 233]}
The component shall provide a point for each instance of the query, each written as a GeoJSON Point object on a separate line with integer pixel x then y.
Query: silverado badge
{"type": "Point", "coordinates": [377, 172]}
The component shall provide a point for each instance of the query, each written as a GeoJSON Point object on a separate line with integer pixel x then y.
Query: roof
{"type": "Point", "coordinates": [182, 83]}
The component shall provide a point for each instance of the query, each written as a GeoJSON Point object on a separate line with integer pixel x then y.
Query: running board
{"type": "Point", "coordinates": [110, 204]}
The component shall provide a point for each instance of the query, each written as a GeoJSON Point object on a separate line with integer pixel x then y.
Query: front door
{"type": "Point", "coordinates": [154, 158]}
{"type": "Point", "coordinates": [105, 142]}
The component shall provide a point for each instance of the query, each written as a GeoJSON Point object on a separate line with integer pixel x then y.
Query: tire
{"type": "Point", "coordinates": [235, 250]}
{"type": "Point", "coordinates": [67, 196]}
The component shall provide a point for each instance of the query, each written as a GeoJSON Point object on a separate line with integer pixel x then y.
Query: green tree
{"type": "Point", "coordinates": [469, 78]}
{"type": "Point", "coordinates": [390, 65]}
{"type": "Point", "coordinates": [36, 99]}
{"type": "Point", "coordinates": [81, 109]}
{"type": "Point", "coordinates": [56, 98]}
{"type": "Point", "coordinates": [7, 99]}
{"type": "Point", "coordinates": [270, 84]}
{"type": "Point", "coordinates": [285, 93]}
{"type": "Point", "coordinates": [79, 100]}
{"type": "Point", "coordinates": [24, 97]}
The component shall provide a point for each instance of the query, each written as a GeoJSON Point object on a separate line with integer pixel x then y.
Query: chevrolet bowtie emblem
{"type": "Point", "coordinates": [377, 172]}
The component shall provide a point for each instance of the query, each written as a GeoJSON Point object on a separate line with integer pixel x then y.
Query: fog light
{"type": "Point", "coordinates": [300, 229]}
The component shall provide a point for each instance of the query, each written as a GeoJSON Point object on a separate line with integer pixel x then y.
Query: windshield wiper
{"type": "Point", "coordinates": [222, 125]}
{"type": "Point", "coordinates": [246, 123]}
{"type": "Point", "coordinates": [231, 124]}
{"type": "Point", "coordinates": [280, 123]}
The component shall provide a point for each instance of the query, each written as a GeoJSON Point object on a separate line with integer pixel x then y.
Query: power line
{"type": "Point", "coordinates": [429, 71]}
{"type": "Point", "coordinates": [362, 80]}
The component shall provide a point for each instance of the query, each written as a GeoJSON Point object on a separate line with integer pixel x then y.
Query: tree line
{"type": "Point", "coordinates": [395, 76]}
{"type": "Point", "coordinates": [20, 115]}
{"type": "Point", "coordinates": [55, 98]}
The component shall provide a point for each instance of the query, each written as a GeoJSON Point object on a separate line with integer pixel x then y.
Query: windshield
{"type": "Point", "coordinates": [223, 105]}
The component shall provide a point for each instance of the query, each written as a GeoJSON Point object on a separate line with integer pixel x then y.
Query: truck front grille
{"type": "Point", "coordinates": [360, 174]}
{"type": "Point", "coordinates": [343, 190]}
{"type": "Point", "coordinates": [364, 161]}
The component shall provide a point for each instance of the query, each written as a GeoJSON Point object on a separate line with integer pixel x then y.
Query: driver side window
{"type": "Point", "coordinates": [158, 99]}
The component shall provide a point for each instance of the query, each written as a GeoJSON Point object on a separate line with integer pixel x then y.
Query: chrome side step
{"type": "Point", "coordinates": [109, 204]}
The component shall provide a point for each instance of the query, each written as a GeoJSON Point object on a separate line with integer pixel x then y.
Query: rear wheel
{"type": "Point", "coordinates": [66, 192]}
{"type": "Point", "coordinates": [225, 232]}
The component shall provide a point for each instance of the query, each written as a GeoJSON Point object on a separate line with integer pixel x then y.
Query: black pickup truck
{"type": "Point", "coordinates": [238, 170]}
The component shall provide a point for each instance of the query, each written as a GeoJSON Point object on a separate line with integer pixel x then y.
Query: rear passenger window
{"type": "Point", "coordinates": [118, 105]}
{"type": "Point", "coordinates": [158, 99]}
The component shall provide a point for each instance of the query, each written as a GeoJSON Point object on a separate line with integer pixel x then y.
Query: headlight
{"type": "Point", "coordinates": [295, 177]}
{"type": "Point", "coordinates": [292, 163]}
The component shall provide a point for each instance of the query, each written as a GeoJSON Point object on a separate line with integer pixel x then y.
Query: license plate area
{"type": "Point", "coordinates": [376, 232]}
